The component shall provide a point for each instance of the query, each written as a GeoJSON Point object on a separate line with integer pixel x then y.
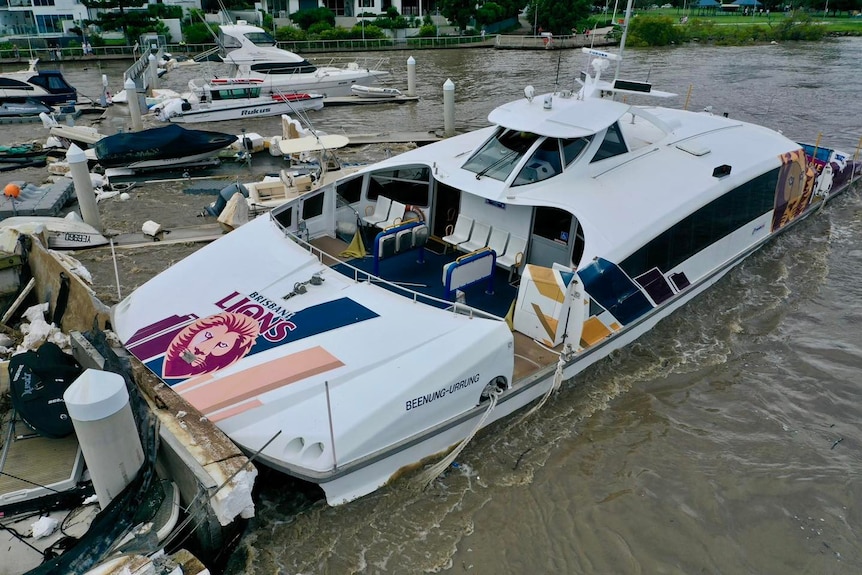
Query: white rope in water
{"type": "Point", "coordinates": [558, 382]}
{"type": "Point", "coordinates": [430, 474]}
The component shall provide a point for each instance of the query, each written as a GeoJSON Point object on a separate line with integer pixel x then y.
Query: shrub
{"type": "Point", "coordinates": [654, 31]}
{"type": "Point", "coordinates": [319, 28]}
{"type": "Point", "coordinates": [305, 19]}
{"type": "Point", "coordinates": [290, 34]}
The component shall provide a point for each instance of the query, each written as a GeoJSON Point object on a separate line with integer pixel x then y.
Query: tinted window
{"type": "Point", "coordinates": [350, 190]}
{"type": "Point", "coordinates": [706, 226]}
{"type": "Point", "coordinates": [406, 184]}
{"type": "Point", "coordinates": [553, 224]}
{"type": "Point", "coordinates": [612, 145]}
{"type": "Point", "coordinates": [573, 148]}
{"type": "Point", "coordinates": [312, 207]}
{"type": "Point", "coordinates": [544, 163]}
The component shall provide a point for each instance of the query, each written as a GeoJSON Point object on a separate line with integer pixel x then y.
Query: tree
{"type": "Point", "coordinates": [132, 22]}
{"type": "Point", "coordinates": [459, 12]}
{"type": "Point", "coordinates": [559, 16]}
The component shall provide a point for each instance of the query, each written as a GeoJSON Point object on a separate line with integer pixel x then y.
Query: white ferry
{"type": "Point", "coordinates": [499, 263]}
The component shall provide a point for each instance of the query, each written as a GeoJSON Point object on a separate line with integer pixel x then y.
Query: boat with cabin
{"type": "Point", "coordinates": [46, 86]}
{"type": "Point", "coordinates": [486, 269]}
{"type": "Point", "coordinates": [254, 56]}
{"type": "Point", "coordinates": [206, 102]}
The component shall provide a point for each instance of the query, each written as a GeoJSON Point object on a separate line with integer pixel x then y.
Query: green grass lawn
{"type": "Point", "coordinates": [844, 23]}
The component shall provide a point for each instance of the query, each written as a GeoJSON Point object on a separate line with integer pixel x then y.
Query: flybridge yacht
{"type": "Point", "coordinates": [254, 54]}
{"type": "Point", "coordinates": [499, 263]}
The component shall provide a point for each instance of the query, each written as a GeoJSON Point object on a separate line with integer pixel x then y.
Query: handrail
{"type": "Point", "coordinates": [418, 297]}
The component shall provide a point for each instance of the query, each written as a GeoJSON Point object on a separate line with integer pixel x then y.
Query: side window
{"type": "Point", "coordinates": [612, 145]}
{"type": "Point", "coordinates": [350, 190]}
{"type": "Point", "coordinates": [543, 164]}
{"type": "Point", "coordinates": [312, 207]}
{"type": "Point", "coordinates": [573, 148]}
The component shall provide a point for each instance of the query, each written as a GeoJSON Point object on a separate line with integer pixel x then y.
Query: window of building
{"type": "Point", "coordinates": [51, 23]}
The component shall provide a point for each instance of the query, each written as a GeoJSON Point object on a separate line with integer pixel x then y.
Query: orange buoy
{"type": "Point", "coordinates": [12, 190]}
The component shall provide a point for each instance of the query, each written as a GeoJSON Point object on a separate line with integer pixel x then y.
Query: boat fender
{"type": "Point", "coordinates": [416, 210]}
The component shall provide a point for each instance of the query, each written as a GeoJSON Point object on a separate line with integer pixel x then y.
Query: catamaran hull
{"type": "Point", "coordinates": [348, 482]}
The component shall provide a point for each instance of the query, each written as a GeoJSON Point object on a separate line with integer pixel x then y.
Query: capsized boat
{"type": "Point", "coordinates": [66, 233]}
{"type": "Point", "coordinates": [581, 219]}
{"type": "Point", "coordinates": [158, 147]}
{"type": "Point", "coordinates": [46, 86]}
{"type": "Point", "coordinates": [254, 56]}
{"type": "Point", "coordinates": [26, 107]}
{"type": "Point", "coordinates": [212, 103]}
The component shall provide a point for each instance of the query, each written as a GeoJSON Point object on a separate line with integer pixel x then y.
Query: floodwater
{"type": "Point", "coordinates": [727, 440]}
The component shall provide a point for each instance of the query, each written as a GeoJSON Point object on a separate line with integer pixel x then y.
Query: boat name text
{"type": "Point", "coordinates": [274, 320]}
{"type": "Point", "coordinates": [440, 393]}
{"type": "Point", "coordinates": [254, 112]}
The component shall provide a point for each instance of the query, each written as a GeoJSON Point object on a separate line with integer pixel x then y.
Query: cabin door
{"type": "Point", "coordinates": [551, 238]}
{"type": "Point", "coordinates": [447, 203]}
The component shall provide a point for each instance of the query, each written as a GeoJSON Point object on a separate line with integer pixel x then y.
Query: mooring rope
{"type": "Point", "coordinates": [558, 382]}
{"type": "Point", "coordinates": [430, 474]}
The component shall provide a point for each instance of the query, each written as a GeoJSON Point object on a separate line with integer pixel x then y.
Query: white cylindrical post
{"type": "Point", "coordinates": [83, 186]}
{"type": "Point", "coordinates": [153, 72]}
{"type": "Point", "coordinates": [103, 99]}
{"type": "Point", "coordinates": [448, 108]}
{"type": "Point", "coordinates": [98, 403]}
{"type": "Point", "coordinates": [411, 76]}
{"type": "Point", "coordinates": [134, 105]}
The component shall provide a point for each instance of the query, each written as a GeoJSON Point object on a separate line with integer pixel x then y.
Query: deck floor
{"type": "Point", "coordinates": [529, 355]}
{"type": "Point", "coordinates": [34, 460]}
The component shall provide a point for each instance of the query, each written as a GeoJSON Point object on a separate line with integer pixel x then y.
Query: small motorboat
{"type": "Point", "coordinates": [66, 233]}
{"type": "Point", "coordinates": [26, 107]}
{"type": "Point", "coordinates": [160, 147]}
{"type": "Point", "coordinates": [215, 103]}
{"type": "Point", "coordinates": [375, 92]}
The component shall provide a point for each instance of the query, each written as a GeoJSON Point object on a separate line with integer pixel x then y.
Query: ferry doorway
{"type": "Point", "coordinates": [447, 204]}
{"type": "Point", "coordinates": [551, 237]}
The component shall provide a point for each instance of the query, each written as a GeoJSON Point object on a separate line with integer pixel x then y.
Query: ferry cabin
{"type": "Point", "coordinates": [644, 203]}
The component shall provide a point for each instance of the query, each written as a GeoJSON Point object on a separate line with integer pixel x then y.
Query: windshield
{"type": "Point", "coordinates": [499, 156]}
{"type": "Point", "coordinates": [261, 38]}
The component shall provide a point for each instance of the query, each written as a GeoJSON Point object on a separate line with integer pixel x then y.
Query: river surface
{"type": "Point", "coordinates": [725, 441]}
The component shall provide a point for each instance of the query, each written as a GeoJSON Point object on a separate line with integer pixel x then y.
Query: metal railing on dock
{"type": "Point", "coordinates": [521, 42]}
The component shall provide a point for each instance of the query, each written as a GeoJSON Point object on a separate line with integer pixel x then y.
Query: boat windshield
{"type": "Point", "coordinates": [260, 38]}
{"type": "Point", "coordinates": [500, 154]}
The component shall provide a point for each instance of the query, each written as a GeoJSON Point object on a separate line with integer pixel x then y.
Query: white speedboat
{"type": "Point", "coordinates": [584, 219]}
{"type": "Point", "coordinates": [215, 102]}
{"type": "Point", "coordinates": [255, 56]}
{"type": "Point", "coordinates": [375, 92]}
{"type": "Point", "coordinates": [67, 233]}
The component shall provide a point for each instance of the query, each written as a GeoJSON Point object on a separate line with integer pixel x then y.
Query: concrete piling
{"type": "Point", "coordinates": [134, 105]}
{"type": "Point", "coordinates": [83, 186]}
{"type": "Point", "coordinates": [411, 76]}
{"type": "Point", "coordinates": [448, 108]}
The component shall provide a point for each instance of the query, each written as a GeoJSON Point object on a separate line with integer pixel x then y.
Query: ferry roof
{"type": "Point", "coordinates": [567, 117]}
{"type": "Point", "coordinates": [620, 201]}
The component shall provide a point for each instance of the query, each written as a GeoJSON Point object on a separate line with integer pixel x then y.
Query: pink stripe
{"type": "Point", "coordinates": [235, 388]}
{"type": "Point", "coordinates": [235, 410]}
